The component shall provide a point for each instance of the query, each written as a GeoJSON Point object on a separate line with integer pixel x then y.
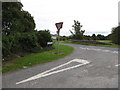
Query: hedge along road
{"type": "Point", "coordinates": [86, 67]}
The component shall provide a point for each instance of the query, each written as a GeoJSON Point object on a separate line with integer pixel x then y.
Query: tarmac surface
{"type": "Point", "coordinates": [100, 71]}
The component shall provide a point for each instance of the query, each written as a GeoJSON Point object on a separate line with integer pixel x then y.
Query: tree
{"type": "Point", "coordinates": [108, 37]}
{"type": "Point", "coordinates": [78, 33]}
{"type": "Point", "coordinates": [93, 37]}
{"type": "Point", "coordinates": [17, 29]}
{"type": "Point", "coordinates": [63, 38]}
{"type": "Point", "coordinates": [87, 37]}
{"type": "Point", "coordinates": [14, 19]}
{"type": "Point", "coordinates": [101, 37]}
{"type": "Point", "coordinates": [115, 35]}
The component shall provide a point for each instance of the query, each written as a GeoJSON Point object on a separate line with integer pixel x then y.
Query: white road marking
{"type": "Point", "coordinates": [47, 73]}
{"type": "Point", "coordinates": [99, 50]}
{"type": "Point", "coordinates": [117, 65]}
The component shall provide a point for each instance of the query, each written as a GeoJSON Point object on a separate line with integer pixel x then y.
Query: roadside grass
{"type": "Point", "coordinates": [38, 58]}
{"type": "Point", "coordinates": [70, 42]}
{"type": "Point", "coordinates": [113, 46]}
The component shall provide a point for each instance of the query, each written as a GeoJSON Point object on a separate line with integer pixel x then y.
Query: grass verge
{"type": "Point", "coordinates": [39, 58]}
{"type": "Point", "coordinates": [113, 46]}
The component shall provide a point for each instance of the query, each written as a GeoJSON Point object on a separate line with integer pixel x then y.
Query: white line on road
{"type": "Point", "coordinates": [47, 73]}
{"type": "Point", "coordinates": [99, 50]}
{"type": "Point", "coordinates": [117, 65]}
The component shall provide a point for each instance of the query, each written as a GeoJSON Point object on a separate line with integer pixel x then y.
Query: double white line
{"type": "Point", "coordinates": [48, 72]}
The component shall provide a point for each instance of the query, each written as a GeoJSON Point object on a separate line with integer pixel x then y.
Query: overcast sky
{"type": "Point", "coordinates": [96, 16]}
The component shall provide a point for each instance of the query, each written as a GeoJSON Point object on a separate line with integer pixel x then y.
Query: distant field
{"type": "Point", "coordinates": [105, 41]}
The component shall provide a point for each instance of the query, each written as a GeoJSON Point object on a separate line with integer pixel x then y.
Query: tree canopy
{"type": "Point", "coordinates": [115, 35]}
{"type": "Point", "coordinates": [18, 30]}
{"type": "Point", "coordinates": [78, 33]}
{"type": "Point", "coordinates": [15, 19]}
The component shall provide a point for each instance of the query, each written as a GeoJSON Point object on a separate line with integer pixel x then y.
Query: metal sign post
{"type": "Point", "coordinates": [58, 41]}
{"type": "Point", "coordinates": [59, 26]}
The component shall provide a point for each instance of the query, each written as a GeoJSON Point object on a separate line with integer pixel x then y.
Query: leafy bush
{"type": "Point", "coordinates": [43, 37]}
{"type": "Point", "coordinates": [19, 42]}
{"type": "Point", "coordinates": [5, 46]}
{"type": "Point", "coordinates": [24, 42]}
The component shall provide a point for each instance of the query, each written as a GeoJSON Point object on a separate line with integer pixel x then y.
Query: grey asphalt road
{"type": "Point", "coordinates": [102, 72]}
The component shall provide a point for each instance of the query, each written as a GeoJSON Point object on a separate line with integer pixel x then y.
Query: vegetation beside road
{"type": "Point", "coordinates": [19, 35]}
{"type": "Point", "coordinates": [39, 58]}
{"type": "Point", "coordinates": [78, 34]}
{"type": "Point", "coordinates": [78, 37]}
{"type": "Point", "coordinates": [113, 46]}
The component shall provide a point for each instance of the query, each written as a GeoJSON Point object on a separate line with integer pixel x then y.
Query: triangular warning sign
{"type": "Point", "coordinates": [59, 25]}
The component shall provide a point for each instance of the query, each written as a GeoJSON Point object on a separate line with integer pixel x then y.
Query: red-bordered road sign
{"type": "Point", "coordinates": [59, 25]}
